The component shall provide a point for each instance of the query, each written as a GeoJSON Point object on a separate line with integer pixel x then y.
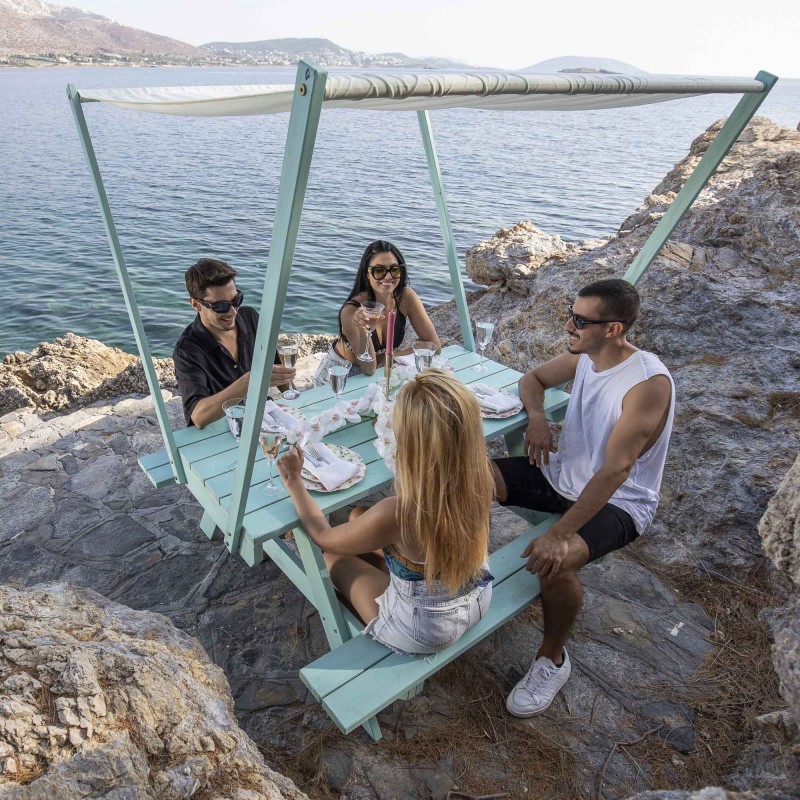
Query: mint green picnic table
{"type": "Point", "coordinates": [358, 678]}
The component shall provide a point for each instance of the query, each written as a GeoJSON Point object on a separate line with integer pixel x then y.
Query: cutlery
{"type": "Point", "coordinates": [316, 456]}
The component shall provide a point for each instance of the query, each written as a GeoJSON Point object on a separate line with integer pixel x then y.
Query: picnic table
{"type": "Point", "coordinates": [206, 457]}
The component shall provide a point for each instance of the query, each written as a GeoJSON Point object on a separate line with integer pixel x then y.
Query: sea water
{"type": "Point", "coordinates": [182, 188]}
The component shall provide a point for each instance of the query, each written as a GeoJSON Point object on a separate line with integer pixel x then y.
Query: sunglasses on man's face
{"type": "Point", "coordinates": [580, 322]}
{"type": "Point", "coordinates": [223, 306]}
{"type": "Point", "coordinates": [379, 273]}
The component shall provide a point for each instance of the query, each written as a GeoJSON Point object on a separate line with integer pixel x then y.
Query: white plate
{"type": "Point", "coordinates": [346, 454]}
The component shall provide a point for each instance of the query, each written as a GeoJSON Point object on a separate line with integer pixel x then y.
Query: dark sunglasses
{"type": "Point", "coordinates": [581, 322]}
{"type": "Point", "coordinates": [379, 273]}
{"type": "Point", "coordinates": [223, 306]}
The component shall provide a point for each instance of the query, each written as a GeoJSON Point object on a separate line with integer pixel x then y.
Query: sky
{"type": "Point", "coordinates": [703, 37]}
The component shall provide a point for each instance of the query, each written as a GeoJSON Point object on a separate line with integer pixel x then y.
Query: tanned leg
{"type": "Point", "coordinates": [359, 582]}
{"type": "Point", "coordinates": [562, 600]}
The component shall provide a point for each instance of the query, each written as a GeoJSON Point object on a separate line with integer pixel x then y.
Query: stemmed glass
{"type": "Point", "coordinates": [234, 411]}
{"type": "Point", "coordinates": [423, 354]}
{"type": "Point", "coordinates": [484, 330]}
{"type": "Point", "coordinates": [373, 310]}
{"type": "Point", "coordinates": [288, 347]}
{"type": "Point", "coordinates": [270, 440]}
{"type": "Point", "coordinates": [338, 375]}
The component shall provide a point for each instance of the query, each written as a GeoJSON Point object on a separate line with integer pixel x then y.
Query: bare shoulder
{"type": "Point", "coordinates": [409, 300]}
{"type": "Point", "coordinates": [653, 392]}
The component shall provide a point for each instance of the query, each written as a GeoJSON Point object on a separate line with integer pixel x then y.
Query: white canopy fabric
{"type": "Point", "coordinates": [427, 91]}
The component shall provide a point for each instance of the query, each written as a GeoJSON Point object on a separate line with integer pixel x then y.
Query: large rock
{"type": "Point", "coordinates": [780, 532]}
{"type": "Point", "coordinates": [97, 701]}
{"type": "Point", "coordinates": [508, 260]}
{"type": "Point", "coordinates": [72, 370]}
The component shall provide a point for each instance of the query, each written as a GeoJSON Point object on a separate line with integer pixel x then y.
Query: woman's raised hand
{"type": "Point", "coordinates": [291, 465]}
{"type": "Point", "coordinates": [364, 319]}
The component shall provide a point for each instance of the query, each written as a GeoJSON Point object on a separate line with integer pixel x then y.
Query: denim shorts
{"type": "Point", "coordinates": [418, 619]}
{"type": "Point", "coordinates": [333, 359]}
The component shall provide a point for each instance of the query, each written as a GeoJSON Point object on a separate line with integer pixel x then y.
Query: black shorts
{"type": "Point", "coordinates": [608, 530]}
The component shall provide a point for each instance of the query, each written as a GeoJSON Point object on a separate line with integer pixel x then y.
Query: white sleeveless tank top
{"type": "Point", "coordinates": [595, 405]}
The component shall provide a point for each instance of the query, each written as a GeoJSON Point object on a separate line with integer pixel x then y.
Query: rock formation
{"type": "Point", "coordinates": [73, 370]}
{"type": "Point", "coordinates": [97, 700]}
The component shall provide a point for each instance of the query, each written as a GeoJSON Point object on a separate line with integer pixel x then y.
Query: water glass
{"type": "Point", "coordinates": [374, 311]}
{"type": "Point", "coordinates": [234, 411]}
{"type": "Point", "coordinates": [423, 354]}
{"type": "Point", "coordinates": [270, 440]}
{"type": "Point", "coordinates": [483, 334]}
{"type": "Point", "coordinates": [338, 377]}
{"type": "Point", "coordinates": [288, 349]}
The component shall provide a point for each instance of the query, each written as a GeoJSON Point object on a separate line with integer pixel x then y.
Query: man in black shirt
{"type": "Point", "coordinates": [214, 354]}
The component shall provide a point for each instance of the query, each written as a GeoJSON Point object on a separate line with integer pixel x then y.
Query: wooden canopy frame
{"type": "Point", "coordinates": [307, 102]}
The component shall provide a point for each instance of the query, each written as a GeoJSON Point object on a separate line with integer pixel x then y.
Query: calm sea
{"type": "Point", "coordinates": [182, 188]}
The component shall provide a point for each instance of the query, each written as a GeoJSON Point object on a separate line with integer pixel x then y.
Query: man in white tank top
{"type": "Point", "coordinates": [605, 475]}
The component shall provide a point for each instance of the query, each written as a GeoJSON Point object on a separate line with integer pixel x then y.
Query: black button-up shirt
{"type": "Point", "coordinates": [204, 367]}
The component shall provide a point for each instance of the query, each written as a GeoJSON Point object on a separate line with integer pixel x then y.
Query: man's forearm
{"type": "Point", "coordinates": [531, 392]}
{"type": "Point", "coordinates": [209, 409]}
{"type": "Point", "coordinates": [594, 496]}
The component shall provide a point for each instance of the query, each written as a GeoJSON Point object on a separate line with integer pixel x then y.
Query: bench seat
{"type": "Point", "coordinates": [360, 678]}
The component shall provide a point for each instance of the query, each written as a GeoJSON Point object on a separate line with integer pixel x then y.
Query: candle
{"type": "Point", "coordinates": [390, 320]}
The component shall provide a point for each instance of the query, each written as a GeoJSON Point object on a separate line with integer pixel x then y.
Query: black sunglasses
{"type": "Point", "coordinates": [379, 273]}
{"type": "Point", "coordinates": [581, 322]}
{"type": "Point", "coordinates": [223, 306]}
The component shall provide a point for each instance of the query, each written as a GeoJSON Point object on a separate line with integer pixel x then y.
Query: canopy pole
{"type": "Point", "coordinates": [447, 230]}
{"type": "Point", "coordinates": [702, 173]}
{"type": "Point", "coordinates": [303, 123]}
{"type": "Point", "coordinates": [127, 289]}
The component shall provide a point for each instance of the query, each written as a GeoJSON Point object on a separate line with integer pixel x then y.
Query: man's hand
{"type": "Point", "coordinates": [538, 440]}
{"type": "Point", "coordinates": [545, 554]}
{"type": "Point", "coordinates": [281, 376]}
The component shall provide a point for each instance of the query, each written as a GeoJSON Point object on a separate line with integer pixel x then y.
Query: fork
{"type": "Point", "coordinates": [316, 455]}
{"type": "Point", "coordinates": [481, 389]}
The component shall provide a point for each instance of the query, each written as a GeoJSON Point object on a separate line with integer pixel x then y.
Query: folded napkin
{"type": "Point", "coordinates": [405, 361]}
{"type": "Point", "coordinates": [494, 400]}
{"type": "Point", "coordinates": [333, 474]}
{"type": "Point", "coordinates": [274, 417]}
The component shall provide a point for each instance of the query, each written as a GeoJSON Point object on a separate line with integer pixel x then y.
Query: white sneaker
{"type": "Point", "coordinates": [534, 693]}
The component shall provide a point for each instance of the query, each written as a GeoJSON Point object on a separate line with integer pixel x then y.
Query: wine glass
{"type": "Point", "coordinates": [423, 354]}
{"type": "Point", "coordinates": [270, 440]}
{"type": "Point", "coordinates": [373, 310]}
{"type": "Point", "coordinates": [234, 411]}
{"type": "Point", "coordinates": [288, 347]}
{"type": "Point", "coordinates": [338, 376]}
{"type": "Point", "coordinates": [484, 330]}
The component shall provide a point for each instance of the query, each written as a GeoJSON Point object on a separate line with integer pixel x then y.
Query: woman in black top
{"type": "Point", "coordinates": [381, 277]}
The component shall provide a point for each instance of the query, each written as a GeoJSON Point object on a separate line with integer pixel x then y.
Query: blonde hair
{"type": "Point", "coordinates": [443, 478]}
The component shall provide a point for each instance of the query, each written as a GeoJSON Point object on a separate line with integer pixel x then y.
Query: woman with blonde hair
{"type": "Point", "coordinates": [433, 584]}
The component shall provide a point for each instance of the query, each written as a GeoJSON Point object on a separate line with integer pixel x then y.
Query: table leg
{"type": "Point", "coordinates": [514, 442]}
{"type": "Point", "coordinates": [321, 588]}
{"type": "Point", "coordinates": [207, 525]}
{"type": "Point", "coordinates": [327, 603]}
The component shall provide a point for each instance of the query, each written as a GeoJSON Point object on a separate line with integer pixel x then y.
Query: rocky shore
{"type": "Point", "coordinates": [137, 659]}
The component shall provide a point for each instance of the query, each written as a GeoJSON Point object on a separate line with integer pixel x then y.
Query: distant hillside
{"type": "Point", "coordinates": [29, 27]}
{"type": "Point", "coordinates": [584, 64]}
{"type": "Point", "coordinates": [325, 52]}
